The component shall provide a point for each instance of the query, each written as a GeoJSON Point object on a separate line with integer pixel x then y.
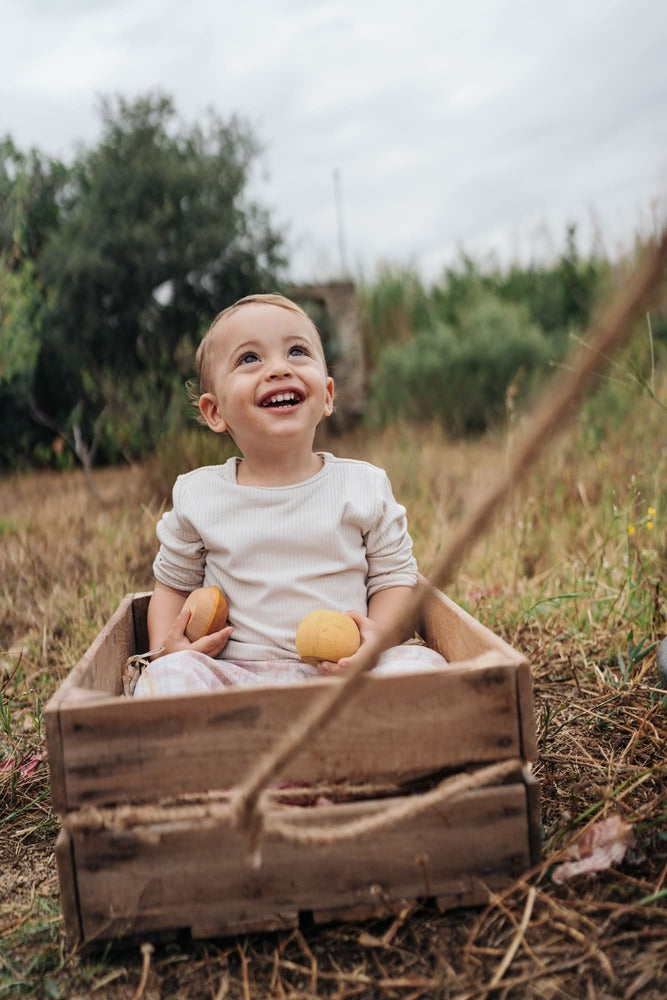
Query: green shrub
{"type": "Point", "coordinates": [460, 378]}
{"type": "Point", "coordinates": [559, 296]}
{"type": "Point", "coordinates": [636, 372]}
{"type": "Point", "coordinates": [393, 307]}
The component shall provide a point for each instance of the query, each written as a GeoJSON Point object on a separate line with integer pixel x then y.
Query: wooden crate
{"type": "Point", "coordinates": [146, 845]}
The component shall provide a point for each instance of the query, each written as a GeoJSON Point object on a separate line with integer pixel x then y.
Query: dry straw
{"type": "Point", "coordinates": [604, 339]}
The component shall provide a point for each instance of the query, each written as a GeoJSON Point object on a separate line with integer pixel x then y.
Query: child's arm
{"type": "Point", "coordinates": [383, 608]}
{"type": "Point", "coordinates": [164, 607]}
{"type": "Point", "coordinates": [167, 622]}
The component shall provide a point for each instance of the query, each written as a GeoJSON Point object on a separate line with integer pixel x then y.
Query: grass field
{"type": "Point", "coordinates": [573, 572]}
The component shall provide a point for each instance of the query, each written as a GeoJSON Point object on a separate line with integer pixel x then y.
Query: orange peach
{"type": "Point", "coordinates": [209, 612]}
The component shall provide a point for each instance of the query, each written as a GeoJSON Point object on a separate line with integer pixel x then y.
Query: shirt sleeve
{"type": "Point", "coordinates": [182, 555]}
{"type": "Point", "coordinates": [391, 562]}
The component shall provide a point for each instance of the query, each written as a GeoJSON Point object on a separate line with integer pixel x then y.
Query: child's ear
{"type": "Point", "coordinates": [329, 401]}
{"type": "Point", "coordinates": [208, 407]}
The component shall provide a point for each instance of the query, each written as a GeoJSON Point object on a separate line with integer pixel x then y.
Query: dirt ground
{"type": "Point", "coordinates": [597, 936]}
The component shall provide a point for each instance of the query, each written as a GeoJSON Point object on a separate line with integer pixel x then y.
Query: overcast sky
{"type": "Point", "coordinates": [483, 125]}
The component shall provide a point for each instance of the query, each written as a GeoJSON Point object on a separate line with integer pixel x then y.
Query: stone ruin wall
{"type": "Point", "coordinates": [339, 300]}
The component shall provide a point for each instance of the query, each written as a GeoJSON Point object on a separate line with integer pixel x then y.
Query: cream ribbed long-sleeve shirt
{"type": "Point", "coordinates": [331, 541]}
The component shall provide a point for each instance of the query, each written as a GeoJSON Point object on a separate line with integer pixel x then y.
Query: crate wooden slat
{"type": "Point", "coordinates": [106, 750]}
{"type": "Point", "coordinates": [116, 750]}
{"type": "Point", "coordinates": [183, 875]}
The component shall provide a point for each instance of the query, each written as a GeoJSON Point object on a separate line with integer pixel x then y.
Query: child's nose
{"type": "Point", "coordinates": [279, 368]}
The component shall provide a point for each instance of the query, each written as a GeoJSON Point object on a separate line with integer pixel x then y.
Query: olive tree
{"type": "Point", "coordinates": [152, 232]}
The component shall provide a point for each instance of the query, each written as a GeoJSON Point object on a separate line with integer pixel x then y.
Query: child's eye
{"type": "Point", "coordinates": [248, 358]}
{"type": "Point", "coordinates": [298, 350]}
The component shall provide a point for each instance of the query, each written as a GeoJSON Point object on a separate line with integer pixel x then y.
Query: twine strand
{"type": "Point", "coordinates": [449, 788]}
{"type": "Point", "coordinates": [282, 824]}
{"type": "Point", "coordinates": [607, 336]}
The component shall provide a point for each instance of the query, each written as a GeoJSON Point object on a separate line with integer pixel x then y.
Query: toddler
{"type": "Point", "coordinates": [282, 530]}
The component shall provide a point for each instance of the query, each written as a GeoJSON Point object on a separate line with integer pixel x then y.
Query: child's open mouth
{"type": "Point", "coordinates": [282, 399]}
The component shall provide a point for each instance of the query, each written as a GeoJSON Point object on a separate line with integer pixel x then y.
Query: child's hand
{"type": "Point", "coordinates": [368, 630]}
{"type": "Point", "coordinates": [176, 641]}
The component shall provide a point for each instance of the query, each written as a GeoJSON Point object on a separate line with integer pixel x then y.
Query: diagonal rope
{"type": "Point", "coordinates": [287, 824]}
{"type": "Point", "coordinates": [605, 338]}
{"type": "Point", "coordinates": [451, 787]}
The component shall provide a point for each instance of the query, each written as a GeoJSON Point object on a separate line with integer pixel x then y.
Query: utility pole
{"type": "Point", "coordinates": [338, 198]}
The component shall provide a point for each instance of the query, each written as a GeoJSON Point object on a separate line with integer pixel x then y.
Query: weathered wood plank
{"type": "Point", "coordinates": [270, 922]}
{"type": "Point", "coordinates": [69, 897]}
{"type": "Point", "coordinates": [360, 912]}
{"type": "Point", "coordinates": [534, 815]}
{"type": "Point", "coordinates": [458, 636]}
{"type": "Point", "coordinates": [140, 616]}
{"type": "Point", "coordinates": [96, 677]}
{"type": "Point", "coordinates": [100, 667]}
{"type": "Point", "coordinates": [184, 875]}
{"type": "Point", "coordinates": [526, 710]}
{"type": "Point", "coordinates": [57, 770]}
{"type": "Point", "coordinates": [119, 749]}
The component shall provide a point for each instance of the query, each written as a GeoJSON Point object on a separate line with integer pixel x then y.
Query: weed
{"type": "Point", "coordinates": [7, 527]}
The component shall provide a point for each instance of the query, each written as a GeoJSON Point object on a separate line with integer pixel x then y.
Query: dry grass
{"type": "Point", "coordinates": [558, 575]}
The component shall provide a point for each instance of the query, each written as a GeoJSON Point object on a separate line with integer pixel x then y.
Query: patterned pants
{"type": "Point", "coordinates": [186, 673]}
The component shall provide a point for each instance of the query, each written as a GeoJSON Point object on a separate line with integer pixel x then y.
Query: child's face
{"type": "Point", "coordinates": [269, 380]}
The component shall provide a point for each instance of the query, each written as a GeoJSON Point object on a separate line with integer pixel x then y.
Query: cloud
{"type": "Point", "coordinates": [473, 125]}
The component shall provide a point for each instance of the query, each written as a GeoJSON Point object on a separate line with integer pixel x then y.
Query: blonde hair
{"type": "Point", "coordinates": [205, 353]}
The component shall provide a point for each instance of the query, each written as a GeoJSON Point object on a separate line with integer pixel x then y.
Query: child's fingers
{"type": "Point", "coordinates": [349, 662]}
{"type": "Point", "coordinates": [181, 621]}
{"type": "Point", "coordinates": [327, 667]}
{"type": "Point", "coordinates": [214, 643]}
{"type": "Point", "coordinates": [365, 624]}
{"type": "Point", "coordinates": [175, 638]}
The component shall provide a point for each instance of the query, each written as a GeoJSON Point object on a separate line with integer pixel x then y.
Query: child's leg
{"type": "Point", "coordinates": [410, 658]}
{"type": "Point", "coordinates": [178, 673]}
{"type": "Point", "coordinates": [186, 673]}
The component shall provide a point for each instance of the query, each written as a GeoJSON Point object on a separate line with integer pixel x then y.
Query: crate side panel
{"type": "Point", "coordinates": [534, 810]}
{"type": "Point", "coordinates": [100, 668]}
{"type": "Point", "coordinates": [140, 617]}
{"type": "Point", "coordinates": [55, 750]}
{"type": "Point", "coordinates": [395, 727]}
{"type": "Point", "coordinates": [269, 923]}
{"type": "Point", "coordinates": [187, 875]}
{"type": "Point", "coordinates": [69, 897]}
{"type": "Point", "coordinates": [526, 707]}
{"type": "Point", "coordinates": [95, 678]}
{"type": "Point", "coordinates": [457, 635]}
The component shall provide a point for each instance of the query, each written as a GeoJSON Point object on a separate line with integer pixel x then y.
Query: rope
{"type": "Point", "coordinates": [281, 825]}
{"type": "Point", "coordinates": [448, 789]}
{"type": "Point", "coordinates": [606, 337]}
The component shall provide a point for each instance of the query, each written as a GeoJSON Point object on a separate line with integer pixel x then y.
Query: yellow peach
{"type": "Point", "coordinates": [326, 635]}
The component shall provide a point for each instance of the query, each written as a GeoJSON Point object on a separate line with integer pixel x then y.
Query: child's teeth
{"type": "Point", "coordinates": [282, 397]}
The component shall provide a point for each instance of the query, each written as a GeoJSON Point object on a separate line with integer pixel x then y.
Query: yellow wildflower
{"type": "Point", "coordinates": [649, 525]}
{"type": "Point", "coordinates": [631, 529]}
{"type": "Point", "coordinates": [651, 512]}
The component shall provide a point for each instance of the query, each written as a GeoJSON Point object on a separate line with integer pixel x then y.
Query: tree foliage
{"type": "Point", "coordinates": [31, 189]}
{"type": "Point", "coordinates": [126, 255]}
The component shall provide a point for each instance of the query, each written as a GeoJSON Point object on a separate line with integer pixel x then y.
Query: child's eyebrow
{"type": "Point", "coordinates": [249, 345]}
